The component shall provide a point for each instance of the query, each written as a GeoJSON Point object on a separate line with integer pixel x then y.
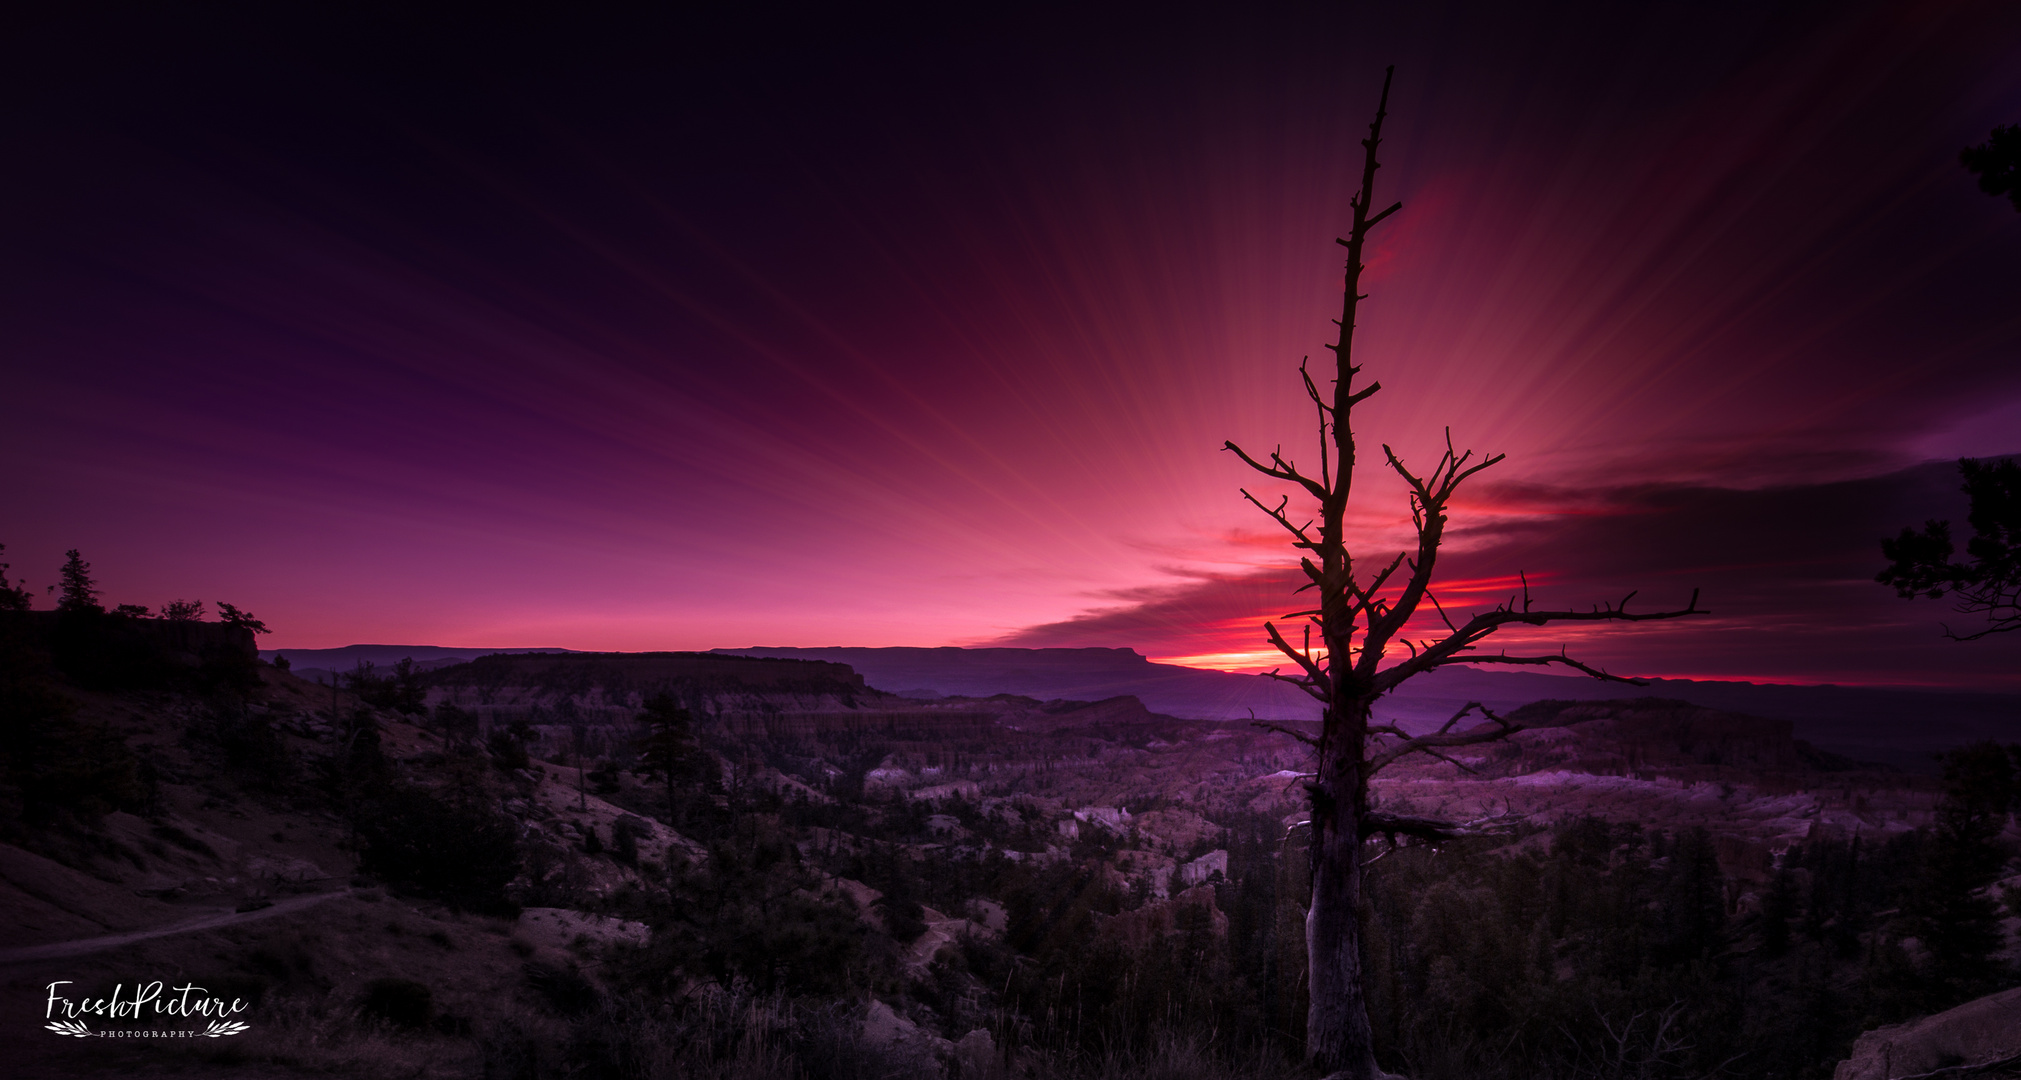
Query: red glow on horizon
{"type": "Point", "coordinates": [729, 352]}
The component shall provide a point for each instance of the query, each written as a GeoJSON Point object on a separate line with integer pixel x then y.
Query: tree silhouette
{"type": "Point", "coordinates": [1997, 162]}
{"type": "Point", "coordinates": [458, 725]}
{"type": "Point", "coordinates": [12, 597]}
{"type": "Point", "coordinates": [1958, 925]}
{"type": "Point", "coordinates": [1920, 563]}
{"type": "Point", "coordinates": [401, 691]}
{"type": "Point", "coordinates": [232, 616]}
{"type": "Point", "coordinates": [1347, 675]}
{"type": "Point", "coordinates": [668, 747]}
{"type": "Point", "coordinates": [76, 592]}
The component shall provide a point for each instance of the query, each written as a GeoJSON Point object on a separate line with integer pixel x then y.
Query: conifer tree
{"type": "Point", "coordinates": [456, 723]}
{"type": "Point", "coordinates": [76, 592]}
{"type": "Point", "coordinates": [183, 611]}
{"type": "Point", "coordinates": [1960, 927]}
{"type": "Point", "coordinates": [232, 616]}
{"type": "Point", "coordinates": [1989, 584]}
{"type": "Point", "coordinates": [668, 748]}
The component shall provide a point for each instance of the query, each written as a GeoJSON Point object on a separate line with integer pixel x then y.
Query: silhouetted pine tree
{"type": "Point", "coordinates": [1921, 564]}
{"type": "Point", "coordinates": [1960, 927]}
{"type": "Point", "coordinates": [668, 749]}
{"type": "Point", "coordinates": [457, 724]}
{"type": "Point", "coordinates": [76, 592]}
{"type": "Point", "coordinates": [232, 616]}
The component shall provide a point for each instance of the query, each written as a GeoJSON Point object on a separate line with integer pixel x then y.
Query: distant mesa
{"type": "Point", "coordinates": [1896, 726]}
{"type": "Point", "coordinates": [1901, 727]}
{"type": "Point", "coordinates": [311, 663]}
{"type": "Point", "coordinates": [617, 676]}
{"type": "Point", "coordinates": [1073, 674]}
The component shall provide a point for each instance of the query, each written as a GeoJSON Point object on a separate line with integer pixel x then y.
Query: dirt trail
{"type": "Point", "coordinates": [218, 917]}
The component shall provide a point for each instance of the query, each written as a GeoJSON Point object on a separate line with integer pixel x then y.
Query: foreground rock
{"type": "Point", "coordinates": [1976, 1033]}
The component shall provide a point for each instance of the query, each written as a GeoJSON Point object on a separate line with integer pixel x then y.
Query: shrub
{"type": "Point", "coordinates": [564, 988]}
{"type": "Point", "coordinates": [751, 916]}
{"type": "Point", "coordinates": [625, 834]}
{"type": "Point", "coordinates": [401, 1002]}
{"type": "Point", "coordinates": [507, 752]}
{"type": "Point", "coordinates": [184, 840]}
{"type": "Point", "coordinates": [461, 853]}
{"type": "Point", "coordinates": [904, 919]}
{"type": "Point", "coordinates": [251, 745]}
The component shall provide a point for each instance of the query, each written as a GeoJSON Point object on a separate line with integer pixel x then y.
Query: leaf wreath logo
{"type": "Point", "coordinates": [70, 1027]}
{"type": "Point", "coordinates": [224, 1027]}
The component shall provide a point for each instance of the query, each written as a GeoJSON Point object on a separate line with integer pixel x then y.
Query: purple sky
{"type": "Point", "coordinates": [651, 333]}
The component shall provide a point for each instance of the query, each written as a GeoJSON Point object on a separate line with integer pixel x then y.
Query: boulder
{"type": "Point", "coordinates": [977, 1055]}
{"type": "Point", "coordinates": [1977, 1032]}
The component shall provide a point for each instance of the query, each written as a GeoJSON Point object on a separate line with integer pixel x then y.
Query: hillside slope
{"type": "Point", "coordinates": [482, 873]}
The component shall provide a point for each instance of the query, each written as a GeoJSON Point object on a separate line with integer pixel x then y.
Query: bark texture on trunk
{"type": "Point", "coordinates": [1338, 1038]}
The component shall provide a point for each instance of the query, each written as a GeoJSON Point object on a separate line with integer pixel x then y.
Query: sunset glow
{"type": "Point", "coordinates": [696, 334]}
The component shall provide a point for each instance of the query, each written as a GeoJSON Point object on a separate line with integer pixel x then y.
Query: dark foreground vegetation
{"type": "Point", "coordinates": [810, 923]}
{"type": "Point", "coordinates": [1589, 949]}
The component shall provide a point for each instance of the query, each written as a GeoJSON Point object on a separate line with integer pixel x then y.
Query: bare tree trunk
{"type": "Point", "coordinates": [1338, 1038]}
{"type": "Point", "coordinates": [1347, 675]}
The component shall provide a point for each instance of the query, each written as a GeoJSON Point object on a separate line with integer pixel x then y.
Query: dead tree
{"type": "Point", "coordinates": [1360, 619]}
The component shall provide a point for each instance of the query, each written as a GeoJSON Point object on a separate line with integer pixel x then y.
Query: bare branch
{"type": "Point", "coordinates": [1302, 683]}
{"type": "Point", "coordinates": [1453, 761]}
{"type": "Point", "coordinates": [1432, 830]}
{"type": "Point", "coordinates": [1311, 666]}
{"type": "Point", "coordinates": [1280, 471]}
{"type": "Point", "coordinates": [1457, 647]}
{"type": "Point", "coordinates": [1279, 517]}
{"type": "Point", "coordinates": [1461, 715]}
{"type": "Point", "coordinates": [1441, 739]}
{"type": "Point", "coordinates": [1366, 600]}
{"type": "Point", "coordinates": [1453, 483]}
{"type": "Point", "coordinates": [1397, 466]}
{"type": "Point", "coordinates": [1325, 422]}
{"type": "Point", "coordinates": [1541, 661]}
{"type": "Point", "coordinates": [1312, 390]}
{"type": "Point", "coordinates": [1441, 609]}
{"type": "Point", "coordinates": [1281, 730]}
{"type": "Point", "coordinates": [1372, 221]}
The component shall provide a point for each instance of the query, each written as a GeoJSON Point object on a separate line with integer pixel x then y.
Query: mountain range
{"type": "Point", "coordinates": [1899, 726]}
